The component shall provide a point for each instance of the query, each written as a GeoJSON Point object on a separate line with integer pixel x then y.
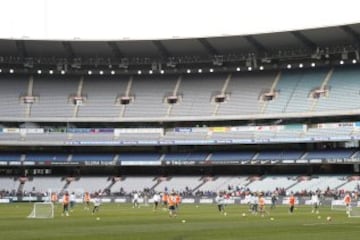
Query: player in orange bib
{"type": "Point", "coordinates": [261, 200]}
{"type": "Point", "coordinates": [165, 198]}
{"type": "Point", "coordinates": [291, 203]}
{"type": "Point", "coordinates": [87, 200]}
{"type": "Point", "coordinates": [171, 202]}
{"type": "Point", "coordinates": [347, 202]}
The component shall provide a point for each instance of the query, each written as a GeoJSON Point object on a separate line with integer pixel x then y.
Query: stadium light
{"type": "Point", "coordinates": [39, 71]}
{"type": "Point", "coordinates": [101, 72]}
{"type": "Point", "coordinates": [188, 71]}
{"type": "Point", "coordinates": [288, 66]}
{"type": "Point", "coordinates": [238, 69]}
{"type": "Point", "coordinates": [51, 72]}
{"type": "Point", "coordinates": [62, 72]}
{"type": "Point", "coordinates": [162, 71]}
{"type": "Point", "coordinates": [199, 70]}
{"type": "Point", "coordinates": [301, 65]}
{"type": "Point", "coordinates": [211, 70]}
{"type": "Point", "coordinates": [139, 72]}
{"type": "Point", "coordinates": [150, 71]}
{"type": "Point", "coordinates": [0, 70]}
{"type": "Point", "coordinates": [313, 64]}
{"type": "Point", "coordinates": [261, 68]}
{"type": "Point", "coordinates": [353, 61]}
{"type": "Point", "coordinates": [11, 71]}
{"type": "Point", "coordinates": [341, 62]}
{"type": "Point", "coordinates": [89, 72]}
{"type": "Point", "coordinates": [112, 72]}
{"type": "Point", "coordinates": [249, 69]}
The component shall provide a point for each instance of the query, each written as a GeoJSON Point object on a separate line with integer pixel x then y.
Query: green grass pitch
{"type": "Point", "coordinates": [121, 221]}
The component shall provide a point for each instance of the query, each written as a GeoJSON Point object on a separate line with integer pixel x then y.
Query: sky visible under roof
{"type": "Point", "coordinates": [166, 19]}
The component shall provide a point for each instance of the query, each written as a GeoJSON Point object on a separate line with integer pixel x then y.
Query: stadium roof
{"type": "Point", "coordinates": [269, 42]}
{"type": "Point", "coordinates": [53, 34]}
{"type": "Point", "coordinates": [310, 43]}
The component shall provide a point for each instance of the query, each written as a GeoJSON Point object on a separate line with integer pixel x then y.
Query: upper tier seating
{"type": "Point", "coordinates": [196, 93]}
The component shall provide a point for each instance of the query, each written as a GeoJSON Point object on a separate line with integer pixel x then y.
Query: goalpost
{"type": "Point", "coordinates": [338, 205]}
{"type": "Point", "coordinates": [42, 210]}
{"type": "Point", "coordinates": [354, 212]}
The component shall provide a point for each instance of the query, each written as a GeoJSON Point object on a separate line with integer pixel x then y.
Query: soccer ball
{"type": "Point", "coordinates": [225, 214]}
{"type": "Point", "coordinates": [328, 218]}
{"type": "Point", "coordinates": [272, 219]}
{"type": "Point", "coordinates": [244, 214]}
{"type": "Point", "coordinates": [183, 221]}
{"type": "Point", "coordinates": [97, 219]}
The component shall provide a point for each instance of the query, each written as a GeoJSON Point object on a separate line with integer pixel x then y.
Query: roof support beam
{"type": "Point", "coordinates": [115, 50]}
{"type": "Point", "coordinates": [351, 33]}
{"type": "Point", "coordinates": [69, 50]}
{"type": "Point", "coordinates": [305, 40]}
{"type": "Point", "coordinates": [164, 53]}
{"type": "Point", "coordinates": [209, 48]}
{"type": "Point", "coordinates": [21, 49]}
{"type": "Point", "coordinates": [258, 46]}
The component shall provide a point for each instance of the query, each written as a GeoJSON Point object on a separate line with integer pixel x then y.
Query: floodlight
{"type": "Point", "coordinates": [139, 72]}
{"type": "Point", "coordinates": [261, 68]}
{"type": "Point", "coordinates": [150, 71]}
{"type": "Point", "coordinates": [301, 65]}
{"type": "Point", "coordinates": [288, 66]}
{"type": "Point", "coordinates": [101, 72]}
{"type": "Point", "coordinates": [353, 61]}
{"type": "Point", "coordinates": [211, 70]}
{"type": "Point", "coordinates": [199, 70]}
{"type": "Point", "coordinates": [51, 71]}
{"type": "Point", "coordinates": [39, 71]}
{"type": "Point", "coordinates": [238, 69]}
{"type": "Point", "coordinates": [11, 70]}
{"type": "Point", "coordinates": [313, 64]}
{"type": "Point", "coordinates": [162, 71]}
{"type": "Point", "coordinates": [188, 71]}
{"type": "Point", "coordinates": [249, 69]}
{"type": "Point", "coordinates": [89, 72]}
{"type": "Point", "coordinates": [112, 72]}
{"type": "Point", "coordinates": [62, 72]}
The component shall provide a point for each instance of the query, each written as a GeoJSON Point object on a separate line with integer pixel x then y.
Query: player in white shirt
{"type": "Point", "coordinates": [315, 201]}
{"type": "Point", "coordinates": [220, 201]}
{"type": "Point", "coordinates": [97, 203]}
{"type": "Point", "coordinates": [156, 199]}
{"type": "Point", "coordinates": [254, 201]}
{"type": "Point", "coordinates": [136, 200]}
{"type": "Point", "coordinates": [72, 201]}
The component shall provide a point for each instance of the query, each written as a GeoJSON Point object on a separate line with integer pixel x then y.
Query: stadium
{"type": "Point", "coordinates": [270, 114]}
